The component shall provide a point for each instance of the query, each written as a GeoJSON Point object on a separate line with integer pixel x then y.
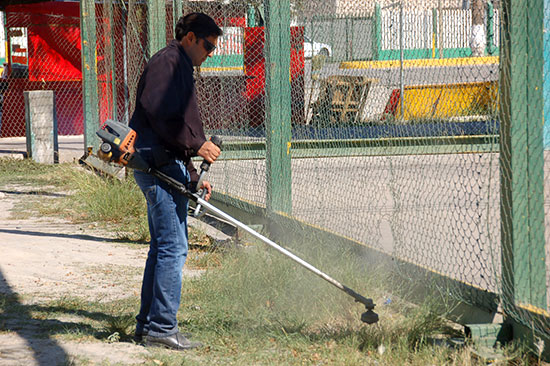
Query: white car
{"type": "Point", "coordinates": [312, 48]}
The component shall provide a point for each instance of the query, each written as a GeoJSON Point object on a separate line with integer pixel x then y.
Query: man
{"type": "Point", "coordinates": [170, 132]}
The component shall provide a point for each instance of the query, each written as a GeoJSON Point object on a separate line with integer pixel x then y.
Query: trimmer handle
{"type": "Point", "coordinates": [205, 166]}
{"type": "Point", "coordinates": [216, 140]}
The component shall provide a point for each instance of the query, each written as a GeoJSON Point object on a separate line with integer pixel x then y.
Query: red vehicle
{"type": "Point", "coordinates": [50, 61]}
{"type": "Point", "coordinates": [254, 67]}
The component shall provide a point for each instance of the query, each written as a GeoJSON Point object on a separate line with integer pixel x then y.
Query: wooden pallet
{"type": "Point", "coordinates": [341, 99]}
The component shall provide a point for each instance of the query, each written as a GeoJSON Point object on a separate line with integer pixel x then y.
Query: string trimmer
{"type": "Point", "coordinates": [118, 147]}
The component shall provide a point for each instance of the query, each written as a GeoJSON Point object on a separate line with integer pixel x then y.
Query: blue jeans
{"type": "Point", "coordinates": [162, 278]}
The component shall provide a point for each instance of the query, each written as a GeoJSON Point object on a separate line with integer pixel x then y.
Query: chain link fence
{"type": "Point", "coordinates": [391, 124]}
{"type": "Point", "coordinates": [419, 118]}
{"type": "Point", "coordinates": [43, 45]}
{"type": "Point", "coordinates": [398, 147]}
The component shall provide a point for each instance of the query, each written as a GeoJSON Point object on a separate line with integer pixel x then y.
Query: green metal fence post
{"type": "Point", "coordinates": [114, 70]}
{"type": "Point", "coordinates": [536, 253]}
{"type": "Point", "coordinates": [178, 8]}
{"type": "Point", "coordinates": [89, 73]}
{"type": "Point", "coordinates": [277, 114]}
{"type": "Point", "coordinates": [178, 12]}
{"type": "Point", "coordinates": [521, 158]}
{"type": "Point", "coordinates": [156, 22]}
{"type": "Point", "coordinates": [250, 16]}
{"type": "Point", "coordinates": [546, 88]}
{"type": "Point", "coordinates": [377, 31]}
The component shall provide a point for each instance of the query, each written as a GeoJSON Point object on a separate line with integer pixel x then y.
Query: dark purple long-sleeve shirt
{"type": "Point", "coordinates": [167, 114]}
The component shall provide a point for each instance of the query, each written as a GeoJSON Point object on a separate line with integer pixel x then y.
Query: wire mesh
{"type": "Point", "coordinates": [122, 36]}
{"type": "Point", "coordinates": [43, 54]}
{"type": "Point", "coordinates": [402, 113]}
{"type": "Point", "coordinates": [396, 122]}
{"type": "Point", "coordinates": [413, 193]}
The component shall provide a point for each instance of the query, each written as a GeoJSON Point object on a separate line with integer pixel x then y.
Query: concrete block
{"type": "Point", "coordinates": [41, 126]}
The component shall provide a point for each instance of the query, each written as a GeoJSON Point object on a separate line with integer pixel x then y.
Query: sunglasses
{"type": "Point", "coordinates": [208, 46]}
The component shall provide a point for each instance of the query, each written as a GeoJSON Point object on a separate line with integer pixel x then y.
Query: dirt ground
{"type": "Point", "coordinates": [42, 259]}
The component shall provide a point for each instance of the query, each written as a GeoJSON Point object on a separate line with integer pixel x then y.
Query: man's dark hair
{"type": "Point", "coordinates": [199, 23]}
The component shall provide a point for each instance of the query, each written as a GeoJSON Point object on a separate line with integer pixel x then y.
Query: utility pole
{"type": "Point", "coordinates": [478, 40]}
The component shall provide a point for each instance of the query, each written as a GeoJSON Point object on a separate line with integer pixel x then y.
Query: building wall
{"type": "Point", "coordinates": [315, 8]}
{"type": "Point", "coordinates": [366, 7]}
{"type": "Point", "coordinates": [307, 9]}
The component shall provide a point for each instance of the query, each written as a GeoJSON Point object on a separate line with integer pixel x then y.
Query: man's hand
{"type": "Point", "coordinates": [206, 186]}
{"type": "Point", "coordinates": [209, 151]}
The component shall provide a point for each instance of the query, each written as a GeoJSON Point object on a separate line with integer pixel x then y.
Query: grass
{"type": "Point", "coordinates": [92, 199]}
{"type": "Point", "coordinates": [109, 200]}
{"type": "Point", "coordinates": [13, 171]}
{"type": "Point", "coordinates": [270, 312]}
{"type": "Point", "coordinates": [252, 306]}
{"type": "Point", "coordinates": [250, 313]}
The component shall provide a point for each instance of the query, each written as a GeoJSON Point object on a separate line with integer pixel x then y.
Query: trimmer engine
{"type": "Point", "coordinates": [118, 146]}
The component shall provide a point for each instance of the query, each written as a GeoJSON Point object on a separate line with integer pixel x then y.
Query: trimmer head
{"type": "Point", "coordinates": [369, 317]}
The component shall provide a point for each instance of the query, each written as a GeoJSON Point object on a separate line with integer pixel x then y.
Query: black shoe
{"type": "Point", "coordinates": [175, 341]}
{"type": "Point", "coordinates": [138, 336]}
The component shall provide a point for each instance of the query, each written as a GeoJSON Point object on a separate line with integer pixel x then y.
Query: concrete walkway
{"type": "Point", "coordinates": [70, 147]}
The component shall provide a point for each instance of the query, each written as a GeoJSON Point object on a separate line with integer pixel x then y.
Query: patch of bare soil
{"type": "Point", "coordinates": [47, 259]}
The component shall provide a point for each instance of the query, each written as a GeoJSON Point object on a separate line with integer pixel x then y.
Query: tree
{"type": "Point", "coordinates": [479, 37]}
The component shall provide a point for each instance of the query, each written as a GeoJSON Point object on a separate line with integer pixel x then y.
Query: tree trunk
{"type": "Point", "coordinates": [479, 37]}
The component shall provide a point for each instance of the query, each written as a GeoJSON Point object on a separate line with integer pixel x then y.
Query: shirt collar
{"type": "Point", "coordinates": [180, 48]}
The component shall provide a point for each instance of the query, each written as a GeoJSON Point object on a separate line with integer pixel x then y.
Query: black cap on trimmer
{"type": "Point", "coordinates": [369, 316]}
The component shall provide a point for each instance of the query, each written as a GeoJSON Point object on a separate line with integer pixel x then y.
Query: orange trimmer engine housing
{"type": "Point", "coordinates": [127, 148]}
{"type": "Point", "coordinates": [118, 145]}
